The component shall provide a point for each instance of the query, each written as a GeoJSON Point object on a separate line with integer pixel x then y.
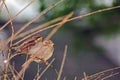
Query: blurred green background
{"type": "Point", "coordinates": [105, 23]}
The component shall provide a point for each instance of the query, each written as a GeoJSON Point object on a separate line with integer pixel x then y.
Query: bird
{"type": "Point", "coordinates": [38, 49]}
{"type": "Point", "coordinates": [42, 51]}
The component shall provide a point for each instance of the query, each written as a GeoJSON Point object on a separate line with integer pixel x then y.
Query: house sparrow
{"type": "Point", "coordinates": [35, 47]}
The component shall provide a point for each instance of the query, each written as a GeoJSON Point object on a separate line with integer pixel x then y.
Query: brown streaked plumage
{"type": "Point", "coordinates": [25, 46]}
{"type": "Point", "coordinates": [41, 50]}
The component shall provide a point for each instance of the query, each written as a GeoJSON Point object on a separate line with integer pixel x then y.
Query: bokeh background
{"type": "Point", "coordinates": [93, 41]}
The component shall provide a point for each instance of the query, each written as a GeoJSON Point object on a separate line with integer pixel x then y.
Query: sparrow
{"type": "Point", "coordinates": [35, 47]}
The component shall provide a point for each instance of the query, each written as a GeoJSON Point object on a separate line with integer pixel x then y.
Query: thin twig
{"type": "Point", "coordinates": [35, 28]}
{"type": "Point", "coordinates": [110, 76]}
{"type": "Point", "coordinates": [102, 72]}
{"type": "Point", "coordinates": [12, 56]}
{"type": "Point", "coordinates": [17, 14]}
{"type": "Point", "coordinates": [1, 5]}
{"type": "Point", "coordinates": [23, 70]}
{"type": "Point", "coordinates": [75, 78]}
{"type": "Point", "coordinates": [62, 64]}
{"type": "Point", "coordinates": [57, 27]}
{"type": "Point", "coordinates": [10, 18]}
{"type": "Point", "coordinates": [94, 12]}
{"type": "Point", "coordinates": [38, 78]}
{"type": "Point", "coordinates": [25, 61]}
{"type": "Point", "coordinates": [85, 76]}
{"type": "Point", "coordinates": [12, 29]}
{"type": "Point", "coordinates": [38, 72]}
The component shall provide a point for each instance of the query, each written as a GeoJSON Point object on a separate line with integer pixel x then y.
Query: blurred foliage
{"type": "Point", "coordinates": [87, 28]}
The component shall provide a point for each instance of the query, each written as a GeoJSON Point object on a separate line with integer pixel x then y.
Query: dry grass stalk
{"type": "Point", "coordinates": [38, 73]}
{"type": "Point", "coordinates": [1, 5]}
{"type": "Point", "coordinates": [94, 12]}
{"type": "Point", "coordinates": [16, 14]}
{"type": "Point", "coordinates": [62, 64]}
{"type": "Point", "coordinates": [102, 73]}
{"type": "Point", "coordinates": [12, 29]}
{"type": "Point", "coordinates": [57, 27]}
{"type": "Point", "coordinates": [39, 27]}
{"type": "Point", "coordinates": [111, 75]}
{"type": "Point", "coordinates": [85, 76]}
{"type": "Point", "coordinates": [38, 78]}
{"type": "Point", "coordinates": [75, 78]}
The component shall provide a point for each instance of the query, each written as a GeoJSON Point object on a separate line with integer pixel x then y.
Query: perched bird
{"type": "Point", "coordinates": [42, 51]}
{"type": "Point", "coordinates": [37, 49]}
